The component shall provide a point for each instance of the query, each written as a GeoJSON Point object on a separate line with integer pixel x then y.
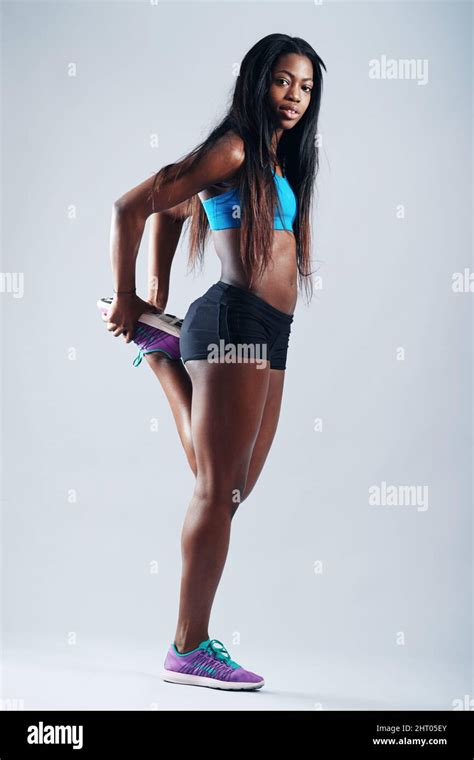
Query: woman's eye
{"type": "Point", "coordinates": [306, 88]}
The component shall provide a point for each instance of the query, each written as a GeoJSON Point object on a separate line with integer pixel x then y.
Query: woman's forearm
{"type": "Point", "coordinates": [170, 202]}
{"type": "Point", "coordinates": [165, 231]}
{"type": "Point", "coordinates": [126, 233]}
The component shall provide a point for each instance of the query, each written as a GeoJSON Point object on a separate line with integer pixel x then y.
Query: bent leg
{"type": "Point", "coordinates": [227, 408]}
{"type": "Point", "coordinates": [178, 389]}
{"type": "Point", "coordinates": [177, 386]}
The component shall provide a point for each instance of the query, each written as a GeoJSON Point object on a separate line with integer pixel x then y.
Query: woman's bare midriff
{"type": "Point", "coordinates": [278, 285]}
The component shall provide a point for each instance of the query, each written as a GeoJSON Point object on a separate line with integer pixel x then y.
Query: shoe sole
{"type": "Point", "coordinates": [212, 683]}
{"type": "Point", "coordinates": [150, 319]}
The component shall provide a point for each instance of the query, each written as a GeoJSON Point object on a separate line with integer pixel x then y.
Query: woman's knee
{"type": "Point", "coordinates": [222, 490]}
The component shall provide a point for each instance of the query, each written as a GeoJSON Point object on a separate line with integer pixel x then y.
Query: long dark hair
{"type": "Point", "coordinates": [249, 116]}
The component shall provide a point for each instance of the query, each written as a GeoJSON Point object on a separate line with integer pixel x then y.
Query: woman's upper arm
{"type": "Point", "coordinates": [219, 163]}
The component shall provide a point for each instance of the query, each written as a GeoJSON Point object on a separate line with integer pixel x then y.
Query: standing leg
{"type": "Point", "coordinates": [266, 434]}
{"type": "Point", "coordinates": [227, 407]}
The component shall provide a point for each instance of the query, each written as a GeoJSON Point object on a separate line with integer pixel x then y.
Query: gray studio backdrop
{"type": "Point", "coordinates": [350, 565]}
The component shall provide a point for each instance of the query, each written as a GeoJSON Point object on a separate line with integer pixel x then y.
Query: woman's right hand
{"type": "Point", "coordinates": [124, 312]}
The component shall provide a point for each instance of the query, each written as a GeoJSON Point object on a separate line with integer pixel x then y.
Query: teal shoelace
{"type": "Point", "coordinates": [138, 359]}
{"type": "Point", "coordinates": [221, 653]}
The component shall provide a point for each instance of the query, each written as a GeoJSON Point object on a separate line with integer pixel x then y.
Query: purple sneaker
{"type": "Point", "coordinates": [166, 322]}
{"type": "Point", "coordinates": [208, 665]}
{"type": "Point", "coordinates": [150, 339]}
{"type": "Point", "coordinates": [153, 332]}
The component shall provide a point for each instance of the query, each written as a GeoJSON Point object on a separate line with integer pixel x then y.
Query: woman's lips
{"type": "Point", "coordinates": [289, 112]}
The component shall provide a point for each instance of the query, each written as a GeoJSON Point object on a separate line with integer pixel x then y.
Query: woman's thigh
{"type": "Point", "coordinates": [228, 402]}
{"type": "Point", "coordinates": [268, 427]}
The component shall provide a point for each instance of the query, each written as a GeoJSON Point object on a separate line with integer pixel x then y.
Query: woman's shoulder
{"type": "Point", "coordinates": [231, 154]}
{"type": "Point", "coordinates": [233, 143]}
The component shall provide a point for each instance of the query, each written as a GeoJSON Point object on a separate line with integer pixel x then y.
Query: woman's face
{"type": "Point", "coordinates": [290, 91]}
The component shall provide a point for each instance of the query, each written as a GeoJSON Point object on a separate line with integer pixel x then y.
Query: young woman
{"type": "Point", "coordinates": [250, 182]}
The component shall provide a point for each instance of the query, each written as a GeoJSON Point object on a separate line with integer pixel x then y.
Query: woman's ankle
{"type": "Point", "coordinates": [184, 645]}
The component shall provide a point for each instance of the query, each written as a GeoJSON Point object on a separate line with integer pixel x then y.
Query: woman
{"type": "Point", "coordinates": [223, 369]}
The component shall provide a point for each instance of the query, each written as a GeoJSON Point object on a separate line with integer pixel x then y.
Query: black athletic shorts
{"type": "Point", "coordinates": [230, 324]}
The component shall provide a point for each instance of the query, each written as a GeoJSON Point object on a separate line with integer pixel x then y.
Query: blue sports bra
{"type": "Point", "coordinates": [223, 211]}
